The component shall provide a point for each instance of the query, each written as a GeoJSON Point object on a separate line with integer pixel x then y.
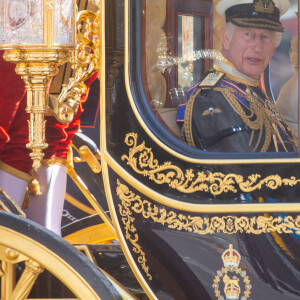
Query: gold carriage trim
{"type": "Point", "coordinates": [133, 204]}
{"type": "Point", "coordinates": [141, 160]}
{"type": "Point", "coordinates": [131, 233]}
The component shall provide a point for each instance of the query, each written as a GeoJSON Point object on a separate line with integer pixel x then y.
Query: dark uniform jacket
{"type": "Point", "coordinates": [225, 115]}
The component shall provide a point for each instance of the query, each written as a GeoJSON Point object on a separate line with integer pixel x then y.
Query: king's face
{"type": "Point", "coordinates": [250, 49]}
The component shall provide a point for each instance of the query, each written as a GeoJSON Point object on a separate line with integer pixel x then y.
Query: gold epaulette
{"type": "Point", "coordinates": [211, 79]}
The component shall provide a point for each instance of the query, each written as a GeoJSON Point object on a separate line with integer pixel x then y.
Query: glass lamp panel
{"type": "Point", "coordinates": [22, 22]}
{"type": "Point", "coordinates": [64, 18]}
{"type": "Point", "coordinates": [1, 21]}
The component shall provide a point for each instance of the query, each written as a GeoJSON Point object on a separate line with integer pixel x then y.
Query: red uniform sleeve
{"type": "Point", "coordinates": [12, 90]}
{"type": "Point", "coordinates": [15, 153]}
{"type": "Point", "coordinates": [59, 136]}
{"type": "Point", "coordinates": [14, 128]}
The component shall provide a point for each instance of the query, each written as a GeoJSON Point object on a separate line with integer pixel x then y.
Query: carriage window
{"type": "Point", "coordinates": [223, 87]}
{"type": "Point", "coordinates": [284, 69]}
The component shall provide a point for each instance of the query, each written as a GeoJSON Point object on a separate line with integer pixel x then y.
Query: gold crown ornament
{"type": "Point", "coordinates": [231, 258]}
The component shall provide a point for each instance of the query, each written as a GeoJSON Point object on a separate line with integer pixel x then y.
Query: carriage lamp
{"type": "Point", "coordinates": [37, 35]}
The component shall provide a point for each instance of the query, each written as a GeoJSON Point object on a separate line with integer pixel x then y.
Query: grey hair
{"type": "Point", "coordinates": [229, 27]}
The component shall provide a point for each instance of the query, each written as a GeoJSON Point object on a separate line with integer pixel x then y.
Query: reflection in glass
{"type": "Point", "coordinates": [288, 98]}
{"type": "Point", "coordinates": [284, 70]}
{"type": "Point", "coordinates": [190, 41]}
{"type": "Point", "coordinates": [177, 96]}
{"type": "Point", "coordinates": [63, 20]}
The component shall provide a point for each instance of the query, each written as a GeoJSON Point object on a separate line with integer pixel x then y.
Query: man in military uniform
{"type": "Point", "coordinates": [228, 111]}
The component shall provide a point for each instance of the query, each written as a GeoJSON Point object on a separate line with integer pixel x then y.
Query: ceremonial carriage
{"type": "Point", "coordinates": [147, 216]}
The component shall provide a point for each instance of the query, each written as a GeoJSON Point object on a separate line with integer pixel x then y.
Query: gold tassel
{"type": "Point", "coordinates": [34, 187]}
{"type": "Point", "coordinates": [26, 200]}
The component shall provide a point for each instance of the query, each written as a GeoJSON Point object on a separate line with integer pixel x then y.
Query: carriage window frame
{"type": "Point", "coordinates": [148, 118]}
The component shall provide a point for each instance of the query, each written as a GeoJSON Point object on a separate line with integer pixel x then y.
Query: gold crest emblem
{"type": "Point", "coordinates": [264, 6]}
{"type": "Point", "coordinates": [232, 274]}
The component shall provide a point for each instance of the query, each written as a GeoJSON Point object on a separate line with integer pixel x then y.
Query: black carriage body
{"type": "Point", "coordinates": [178, 209]}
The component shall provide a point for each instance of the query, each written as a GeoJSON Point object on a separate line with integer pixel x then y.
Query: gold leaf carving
{"type": "Point", "coordinates": [142, 161]}
{"type": "Point", "coordinates": [237, 271]}
{"type": "Point", "coordinates": [85, 62]}
{"type": "Point", "coordinates": [130, 231]}
{"type": "Point", "coordinates": [133, 204]}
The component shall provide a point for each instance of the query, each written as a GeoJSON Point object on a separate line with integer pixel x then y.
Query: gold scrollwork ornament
{"type": "Point", "coordinates": [84, 61]}
{"type": "Point", "coordinates": [132, 203]}
{"type": "Point", "coordinates": [231, 259]}
{"type": "Point", "coordinates": [131, 233]}
{"type": "Point", "coordinates": [141, 159]}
